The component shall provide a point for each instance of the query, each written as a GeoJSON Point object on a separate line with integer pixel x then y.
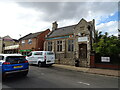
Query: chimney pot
{"type": "Point", "coordinates": [54, 25]}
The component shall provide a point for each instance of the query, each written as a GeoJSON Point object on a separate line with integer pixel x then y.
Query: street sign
{"type": "Point", "coordinates": [105, 59]}
{"type": "Point", "coordinates": [82, 39]}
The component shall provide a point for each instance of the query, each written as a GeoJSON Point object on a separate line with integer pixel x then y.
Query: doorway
{"type": "Point", "coordinates": [82, 51]}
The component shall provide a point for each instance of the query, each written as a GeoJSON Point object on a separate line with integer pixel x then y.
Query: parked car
{"type": "Point", "coordinates": [41, 58]}
{"type": "Point", "coordinates": [13, 63]}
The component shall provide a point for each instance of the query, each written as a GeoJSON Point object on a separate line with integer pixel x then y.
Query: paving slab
{"type": "Point", "coordinates": [90, 70]}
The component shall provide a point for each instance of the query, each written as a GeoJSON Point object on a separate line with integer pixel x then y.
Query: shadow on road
{"type": "Point", "coordinates": [10, 79]}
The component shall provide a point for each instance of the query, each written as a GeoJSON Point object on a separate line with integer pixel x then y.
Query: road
{"type": "Point", "coordinates": [52, 77]}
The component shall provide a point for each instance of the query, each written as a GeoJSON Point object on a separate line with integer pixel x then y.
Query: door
{"type": "Point", "coordinates": [30, 58]}
{"type": "Point", "coordinates": [50, 57]}
{"type": "Point", "coordinates": [82, 51]}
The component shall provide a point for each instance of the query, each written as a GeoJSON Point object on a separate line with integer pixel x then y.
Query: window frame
{"type": "Point", "coordinates": [2, 57]}
{"type": "Point", "coordinates": [50, 46]}
{"type": "Point", "coordinates": [23, 42]}
{"type": "Point", "coordinates": [70, 45]}
{"type": "Point", "coordinates": [59, 45]}
{"type": "Point", "coordinates": [29, 41]}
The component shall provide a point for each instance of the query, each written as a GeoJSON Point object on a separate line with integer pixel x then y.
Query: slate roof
{"type": "Point", "coordinates": [62, 31]}
{"type": "Point", "coordinates": [30, 35]}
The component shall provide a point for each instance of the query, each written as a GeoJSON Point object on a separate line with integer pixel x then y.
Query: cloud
{"type": "Point", "coordinates": [68, 10]}
{"type": "Point", "coordinates": [15, 20]}
{"type": "Point", "coordinates": [27, 17]}
{"type": "Point", "coordinates": [110, 27]}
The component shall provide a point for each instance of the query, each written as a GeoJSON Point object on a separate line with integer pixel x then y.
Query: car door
{"type": "Point", "coordinates": [38, 56]}
{"type": "Point", "coordinates": [50, 57]}
{"type": "Point", "coordinates": [30, 58]}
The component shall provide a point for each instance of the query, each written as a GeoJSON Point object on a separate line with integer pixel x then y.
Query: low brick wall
{"type": "Point", "coordinates": [109, 66]}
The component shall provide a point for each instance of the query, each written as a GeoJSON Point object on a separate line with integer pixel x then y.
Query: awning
{"type": "Point", "coordinates": [12, 47]}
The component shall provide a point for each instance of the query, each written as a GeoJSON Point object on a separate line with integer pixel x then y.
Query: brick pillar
{"type": "Point", "coordinates": [92, 60]}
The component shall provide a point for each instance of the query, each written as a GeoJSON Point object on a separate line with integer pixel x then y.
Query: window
{"type": "Point", "coordinates": [15, 59]}
{"type": "Point", "coordinates": [30, 54]}
{"type": "Point", "coordinates": [93, 34]}
{"type": "Point", "coordinates": [59, 46]}
{"type": "Point", "coordinates": [70, 45]}
{"type": "Point", "coordinates": [23, 42]}
{"type": "Point", "coordinates": [1, 57]}
{"type": "Point", "coordinates": [29, 41]}
{"type": "Point", "coordinates": [38, 53]}
{"type": "Point", "coordinates": [50, 53]}
{"type": "Point", "coordinates": [49, 46]}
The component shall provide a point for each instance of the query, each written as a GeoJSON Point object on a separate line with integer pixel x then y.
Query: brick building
{"type": "Point", "coordinates": [71, 42]}
{"type": "Point", "coordinates": [32, 42]}
{"type": "Point", "coordinates": [6, 42]}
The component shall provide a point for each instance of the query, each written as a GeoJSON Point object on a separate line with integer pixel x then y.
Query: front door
{"type": "Point", "coordinates": [82, 51]}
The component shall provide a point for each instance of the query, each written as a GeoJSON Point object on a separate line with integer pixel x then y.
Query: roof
{"type": "Point", "coordinates": [62, 31]}
{"type": "Point", "coordinates": [16, 40]}
{"type": "Point", "coordinates": [30, 35]}
{"type": "Point", "coordinates": [7, 38]}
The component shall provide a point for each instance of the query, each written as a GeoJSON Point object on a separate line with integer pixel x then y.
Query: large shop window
{"type": "Point", "coordinates": [70, 45]}
{"type": "Point", "coordinates": [59, 46]}
{"type": "Point", "coordinates": [49, 46]}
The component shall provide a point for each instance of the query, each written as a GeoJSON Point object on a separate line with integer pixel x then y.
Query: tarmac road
{"type": "Point", "coordinates": [52, 77]}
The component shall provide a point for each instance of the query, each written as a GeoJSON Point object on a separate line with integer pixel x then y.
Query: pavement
{"type": "Point", "coordinates": [107, 72]}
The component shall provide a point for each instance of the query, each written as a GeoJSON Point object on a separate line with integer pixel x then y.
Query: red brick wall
{"type": "Point", "coordinates": [92, 62]}
{"type": "Point", "coordinates": [101, 65]}
{"type": "Point", "coordinates": [41, 40]}
{"type": "Point", "coordinates": [109, 66]}
{"type": "Point", "coordinates": [28, 46]}
{"type": "Point", "coordinates": [36, 42]}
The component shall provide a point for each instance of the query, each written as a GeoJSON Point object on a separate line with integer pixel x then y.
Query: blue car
{"type": "Point", "coordinates": [12, 64]}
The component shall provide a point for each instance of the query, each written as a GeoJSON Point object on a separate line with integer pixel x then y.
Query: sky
{"type": "Point", "coordinates": [20, 18]}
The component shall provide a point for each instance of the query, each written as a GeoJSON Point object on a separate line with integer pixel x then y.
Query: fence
{"type": "Point", "coordinates": [110, 62]}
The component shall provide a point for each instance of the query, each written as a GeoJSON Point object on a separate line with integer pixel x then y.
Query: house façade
{"type": "Point", "coordinates": [72, 42]}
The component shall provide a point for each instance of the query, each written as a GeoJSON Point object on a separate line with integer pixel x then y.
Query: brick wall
{"type": "Point", "coordinates": [28, 46]}
{"type": "Point", "coordinates": [41, 40]}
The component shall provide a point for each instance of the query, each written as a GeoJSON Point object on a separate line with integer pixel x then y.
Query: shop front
{"type": "Point", "coordinates": [25, 51]}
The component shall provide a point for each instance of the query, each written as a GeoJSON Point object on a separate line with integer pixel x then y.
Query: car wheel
{"type": "Point", "coordinates": [39, 64]}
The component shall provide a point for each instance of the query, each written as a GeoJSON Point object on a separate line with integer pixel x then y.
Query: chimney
{"type": "Point", "coordinates": [54, 25]}
{"type": "Point", "coordinates": [93, 21]}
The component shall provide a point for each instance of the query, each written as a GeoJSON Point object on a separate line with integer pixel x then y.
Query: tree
{"type": "Point", "coordinates": [107, 45]}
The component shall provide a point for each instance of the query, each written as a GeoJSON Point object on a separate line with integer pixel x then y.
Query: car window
{"type": "Point", "coordinates": [15, 59]}
{"type": "Point", "coordinates": [50, 53]}
{"type": "Point", "coordinates": [1, 57]}
{"type": "Point", "coordinates": [38, 53]}
{"type": "Point", "coordinates": [30, 54]}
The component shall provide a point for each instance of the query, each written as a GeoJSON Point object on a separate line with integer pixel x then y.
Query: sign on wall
{"type": "Point", "coordinates": [82, 39]}
{"type": "Point", "coordinates": [105, 59]}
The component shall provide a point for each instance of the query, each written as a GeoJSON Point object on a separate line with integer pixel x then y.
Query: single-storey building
{"type": "Point", "coordinates": [72, 42]}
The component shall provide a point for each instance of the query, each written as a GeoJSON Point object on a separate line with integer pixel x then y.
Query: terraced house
{"type": "Point", "coordinates": [72, 42]}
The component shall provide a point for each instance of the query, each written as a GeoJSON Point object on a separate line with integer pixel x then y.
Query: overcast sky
{"type": "Point", "coordinates": [21, 18]}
